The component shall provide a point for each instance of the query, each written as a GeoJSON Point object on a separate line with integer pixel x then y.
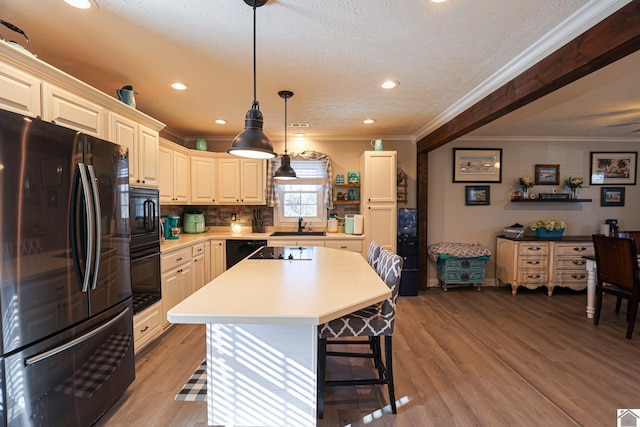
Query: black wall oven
{"type": "Point", "coordinates": [144, 217]}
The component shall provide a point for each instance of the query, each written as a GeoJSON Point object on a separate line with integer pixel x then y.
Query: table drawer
{"type": "Point", "coordinates": [573, 249]}
{"type": "Point", "coordinates": [533, 263]}
{"type": "Point", "coordinates": [534, 248]}
{"type": "Point", "coordinates": [570, 263]}
{"type": "Point", "coordinates": [533, 276]}
{"type": "Point", "coordinates": [563, 278]}
{"type": "Point", "coordinates": [172, 259]}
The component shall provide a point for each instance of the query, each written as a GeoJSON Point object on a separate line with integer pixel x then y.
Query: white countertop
{"type": "Point", "coordinates": [186, 239]}
{"type": "Point", "coordinates": [334, 283]}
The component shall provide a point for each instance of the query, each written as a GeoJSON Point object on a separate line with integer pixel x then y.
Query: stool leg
{"type": "Point", "coordinates": [389, 362]}
{"type": "Point", "coordinates": [322, 367]}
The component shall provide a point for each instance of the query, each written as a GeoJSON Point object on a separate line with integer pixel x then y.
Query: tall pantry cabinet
{"type": "Point", "coordinates": [378, 198]}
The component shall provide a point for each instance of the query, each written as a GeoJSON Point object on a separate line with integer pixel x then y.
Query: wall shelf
{"type": "Point", "coordinates": [347, 202]}
{"type": "Point", "coordinates": [551, 200]}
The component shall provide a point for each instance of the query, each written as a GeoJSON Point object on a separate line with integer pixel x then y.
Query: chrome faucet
{"type": "Point", "coordinates": [300, 225]}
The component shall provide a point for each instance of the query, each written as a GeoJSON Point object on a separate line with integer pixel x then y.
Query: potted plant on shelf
{"type": "Point", "coordinates": [526, 183]}
{"type": "Point", "coordinates": [574, 184]}
{"type": "Point", "coordinates": [548, 228]}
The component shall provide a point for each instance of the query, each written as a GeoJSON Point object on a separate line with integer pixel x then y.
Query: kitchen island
{"type": "Point", "coordinates": [261, 321]}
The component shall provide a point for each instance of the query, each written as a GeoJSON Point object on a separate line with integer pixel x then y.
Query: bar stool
{"type": "Point", "coordinates": [373, 322]}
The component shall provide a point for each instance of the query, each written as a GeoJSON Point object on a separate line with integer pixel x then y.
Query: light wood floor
{"type": "Point", "coordinates": [461, 358]}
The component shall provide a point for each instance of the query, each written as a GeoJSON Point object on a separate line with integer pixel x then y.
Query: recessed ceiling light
{"type": "Point", "coordinates": [368, 121]}
{"type": "Point", "coordinates": [299, 135]}
{"type": "Point", "coordinates": [221, 122]}
{"type": "Point", "coordinates": [389, 84]}
{"type": "Point", "coordinates": [82, 4]}
{"type": "Point", "coordinates": [438, 1]}
{"type": "Point", "coordinates": [179, 86]}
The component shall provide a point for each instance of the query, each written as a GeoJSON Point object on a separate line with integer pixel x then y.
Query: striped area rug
{"type": "Point", "coordinates": [195, 390]}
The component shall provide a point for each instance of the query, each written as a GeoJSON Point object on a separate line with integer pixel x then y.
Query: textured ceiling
{"type": "Point", "coordinates": [332, 54]}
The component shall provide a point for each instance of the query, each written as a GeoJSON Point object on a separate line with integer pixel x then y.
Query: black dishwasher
{"type": "Point", "coordinates": [237, 250]}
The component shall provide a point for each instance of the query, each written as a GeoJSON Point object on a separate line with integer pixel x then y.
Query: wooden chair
{"type": "Point", "coordinates": [635, 235]}
{"type": "Point", "coordinates": [372, 322]}
{"type": "Point", "coordinates": [618, 274]}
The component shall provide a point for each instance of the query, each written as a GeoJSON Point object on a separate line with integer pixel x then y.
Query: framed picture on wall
{"type": "Point", "coordinates": [477, 165]}
{"type": "Point", "coordinates": [547, 175]}
{"type": "Point", "coordinates": [613, 168]}
{"type": "Point", "coordinates": [612, 196]}
{"type": "Point", "coordinates": [477, 195]}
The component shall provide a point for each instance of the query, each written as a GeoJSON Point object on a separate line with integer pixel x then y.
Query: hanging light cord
{"type": "Point", "coordinates": [285, 125]}
{"type": "Point", "coordinates": [256, 104]}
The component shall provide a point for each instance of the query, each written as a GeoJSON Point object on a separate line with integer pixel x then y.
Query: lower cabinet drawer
{"type": "Point", "coordinates": [347, 245]}
{"type": "Point", "coordinates": [147, 326]}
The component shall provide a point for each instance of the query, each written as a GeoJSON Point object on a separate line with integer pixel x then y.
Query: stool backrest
{"type": "Point", "coordinates": [389, 269]}
{"type": "Point", "coordinates": [373, 254]}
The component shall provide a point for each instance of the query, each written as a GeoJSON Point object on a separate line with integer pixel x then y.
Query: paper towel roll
{"type": "Point", "coordinates": [604, 229]}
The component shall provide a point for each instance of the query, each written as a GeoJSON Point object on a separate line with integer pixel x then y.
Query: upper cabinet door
{"type": "Point", "coordinates": [66, 109]}
{"type": "Point", "coordinates": [203, 180]}
{"type": "Point", "coordinates": [19, 91]}
{"type": "Point", "coordinates": [252, 177]}
{"type": "Point", "coordinates": [228, 186]}
{"type": "Point", "coordinates": [380, 176]}
{"type": "Point", "coordinates": [124, 131]}
{"type": "Point", "coordinates": [148, 144]}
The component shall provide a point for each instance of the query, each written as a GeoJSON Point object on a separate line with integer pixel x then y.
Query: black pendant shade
{"type": "Point", "coordinates": [285, 171]}
{"type": "Point", "coordinates": [252, 142]}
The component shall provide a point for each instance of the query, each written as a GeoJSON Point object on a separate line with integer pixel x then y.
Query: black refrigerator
{"type": "Point", "coordinates": [66, 353]}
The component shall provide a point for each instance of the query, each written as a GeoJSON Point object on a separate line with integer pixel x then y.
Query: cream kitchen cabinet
{"type": "Point", "coordinates": [347, 245]}
{"type": "Point", "coordinates": [240, 181]}
{"type": "Point", "coordinates": [217, 262]}
{"type": "Point", "coordinates": [147, 326]}
{"type": "Point", "coordinates": [294, 242]}
{"type": "Point", "coordinates": [198, 266]}
{"type": "Point", "coordinates": [203, 180]}
{"type": "Point", "coordinates": [142, 143]}
{"type": "Point", "coordinates": [173, 174]}
{"type": "Point", "coordinates": [378, 199]}
{"type": "Point", "coordinates": [67, 109]}
{"type": "Point", "coordinates": [19, 91]}
{"type": "Point", "coordinates": [177, 280]}
{"type": "Point", "coordinates": [535, 263]}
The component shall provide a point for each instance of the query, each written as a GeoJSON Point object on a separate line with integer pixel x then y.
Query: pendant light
{"type": "Point", "coordinates": [285, 171]}
{"type": "Point", "coordinates": [252, 142]}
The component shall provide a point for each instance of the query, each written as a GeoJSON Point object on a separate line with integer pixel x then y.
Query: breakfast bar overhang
{"type": "Point", "coordinates": [261, 321]}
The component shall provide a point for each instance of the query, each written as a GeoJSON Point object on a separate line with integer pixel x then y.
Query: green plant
{"type": "Point", "coordinates": [549, 224]}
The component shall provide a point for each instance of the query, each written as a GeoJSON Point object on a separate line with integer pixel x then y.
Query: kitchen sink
{"type": "Point", "coordinates": [298, 233]}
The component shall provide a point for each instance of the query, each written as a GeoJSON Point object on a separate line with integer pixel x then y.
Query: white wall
{"type": "Point", "coordinates": [450, 220]}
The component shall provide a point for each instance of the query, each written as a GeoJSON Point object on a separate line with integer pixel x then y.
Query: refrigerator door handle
{"type": "Point", "coordinates": [88, 207]}
{"type": "Point", "coordinates": [95, 224]}
{"type": "Point", "coordinates": [44, 355]}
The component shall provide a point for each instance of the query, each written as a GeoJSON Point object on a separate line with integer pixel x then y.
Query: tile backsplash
{"type": "Point", "coordinates": [222, 215]}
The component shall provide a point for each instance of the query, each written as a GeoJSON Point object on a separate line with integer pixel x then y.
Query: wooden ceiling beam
{"type": "Point", "coordinates": [614, 38]}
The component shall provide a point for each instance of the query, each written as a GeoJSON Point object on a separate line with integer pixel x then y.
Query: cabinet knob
{"type": "Point", "coordinates": [179, 259]}
{"type": "Point", "coordinates": [144, 329]}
